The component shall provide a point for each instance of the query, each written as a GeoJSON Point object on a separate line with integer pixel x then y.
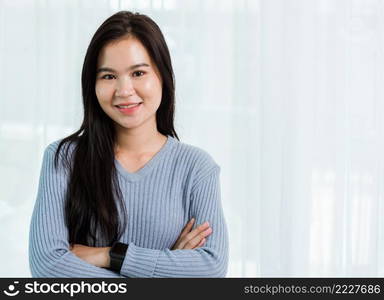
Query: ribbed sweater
{"type": "Point", "coordinates": [180, 181]}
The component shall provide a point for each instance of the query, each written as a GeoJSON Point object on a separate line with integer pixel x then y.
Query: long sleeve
{"type": "Point", "coordinates": [49, 254]}
{"type": "Point", "coordinates": [211, 260]}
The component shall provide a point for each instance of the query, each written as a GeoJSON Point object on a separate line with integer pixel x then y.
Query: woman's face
{"type": "Point", "coordinates": [126, 74]}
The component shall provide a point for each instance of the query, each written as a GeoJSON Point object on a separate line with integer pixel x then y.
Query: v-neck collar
{"type": "Point", "coordinates": [147, 168]}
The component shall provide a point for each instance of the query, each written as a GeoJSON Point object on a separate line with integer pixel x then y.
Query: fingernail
{"type": "Point", "coordinates": [192, 220]}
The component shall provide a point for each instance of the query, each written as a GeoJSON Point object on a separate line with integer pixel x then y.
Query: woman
{"type": "Point", "coordinates": [120, 197]}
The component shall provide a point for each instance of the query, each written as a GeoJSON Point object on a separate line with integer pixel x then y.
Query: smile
{"type": "Point", "coordinates": [130, 109]}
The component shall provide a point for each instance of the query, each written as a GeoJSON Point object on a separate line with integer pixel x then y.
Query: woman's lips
{"type": "Point", "coordinates": [129, 110]}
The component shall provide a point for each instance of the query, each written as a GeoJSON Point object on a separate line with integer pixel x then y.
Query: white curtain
{"type": "Point", "coordinates": [286, 95]}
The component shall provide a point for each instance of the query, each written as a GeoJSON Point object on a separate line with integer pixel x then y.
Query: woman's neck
{"type": "Point", "coordinates": [136, 142]}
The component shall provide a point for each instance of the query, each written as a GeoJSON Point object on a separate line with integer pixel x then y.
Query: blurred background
{"type": "Point", "coordinates": [286, 95]}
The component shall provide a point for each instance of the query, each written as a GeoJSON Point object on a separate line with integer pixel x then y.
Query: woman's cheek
{"type": "Point", "coordinates": [102, 94]}
{"type": "Point", "coordinates": [152, 89]}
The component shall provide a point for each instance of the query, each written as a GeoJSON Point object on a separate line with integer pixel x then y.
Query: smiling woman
{"type": "Point", "coordinates": [120, 196]}
{"type": "Point", "coordinates": [121, 92]}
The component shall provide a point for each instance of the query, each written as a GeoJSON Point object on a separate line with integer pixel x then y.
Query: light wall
{"type": "Point", "coordinates": [286, 95]}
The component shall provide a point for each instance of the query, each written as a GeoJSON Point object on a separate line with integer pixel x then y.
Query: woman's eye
{"type": "Point", "coordinates": [108, 76]}
{"type": "Point", "coordinates": [138, 73]}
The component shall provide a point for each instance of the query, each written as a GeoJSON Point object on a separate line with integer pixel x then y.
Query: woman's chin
{"type": "Point", "coordinates": [128, 125]}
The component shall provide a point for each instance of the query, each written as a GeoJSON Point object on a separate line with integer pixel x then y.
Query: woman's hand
{"type": "Point", "coordinates": [97, 256]}
{"type": "Point", "coordinates": [192, 239]}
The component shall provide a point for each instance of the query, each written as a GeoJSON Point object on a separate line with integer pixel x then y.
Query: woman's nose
{"type": "Point", "coordinates": [124, 88]}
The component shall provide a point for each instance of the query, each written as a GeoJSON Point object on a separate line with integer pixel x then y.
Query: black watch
{"type": "Point", "coordinates": [117, 255]}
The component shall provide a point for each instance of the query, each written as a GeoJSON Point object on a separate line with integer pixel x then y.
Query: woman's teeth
{"type": "Point", "coordinates": [128, 106]}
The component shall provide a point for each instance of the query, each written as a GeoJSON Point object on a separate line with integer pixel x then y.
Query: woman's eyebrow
{"type": "Point", "coordinates": [106, 69]}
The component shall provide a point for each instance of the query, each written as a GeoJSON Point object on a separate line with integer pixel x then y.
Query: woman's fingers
{"type": "Point", "coordinates": [188, 234]}
{"type": "Point", "coordinates": [197, 231]}
{"type": "Point", "coordinates": [192, 239]}
{"type": "Point", "coordinates": [201, 243]}
{"type": "Point", "coordinates": [187, 227]}
{"type": "Point", "coordinates": [190, 243]}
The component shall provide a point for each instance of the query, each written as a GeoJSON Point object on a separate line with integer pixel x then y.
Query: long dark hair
{"type": "Point", "coordinates": [93, 188]}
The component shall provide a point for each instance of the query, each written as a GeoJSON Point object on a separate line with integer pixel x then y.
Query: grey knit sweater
{"type": "Point", "coordinates": [180, 182]}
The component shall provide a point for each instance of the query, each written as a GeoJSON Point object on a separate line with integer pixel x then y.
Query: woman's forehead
{"type": "Point", "coordinates": [123, 53]}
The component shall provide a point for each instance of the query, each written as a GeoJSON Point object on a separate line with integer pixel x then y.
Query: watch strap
{"type": "Point", "coordinates": [117, 255]}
